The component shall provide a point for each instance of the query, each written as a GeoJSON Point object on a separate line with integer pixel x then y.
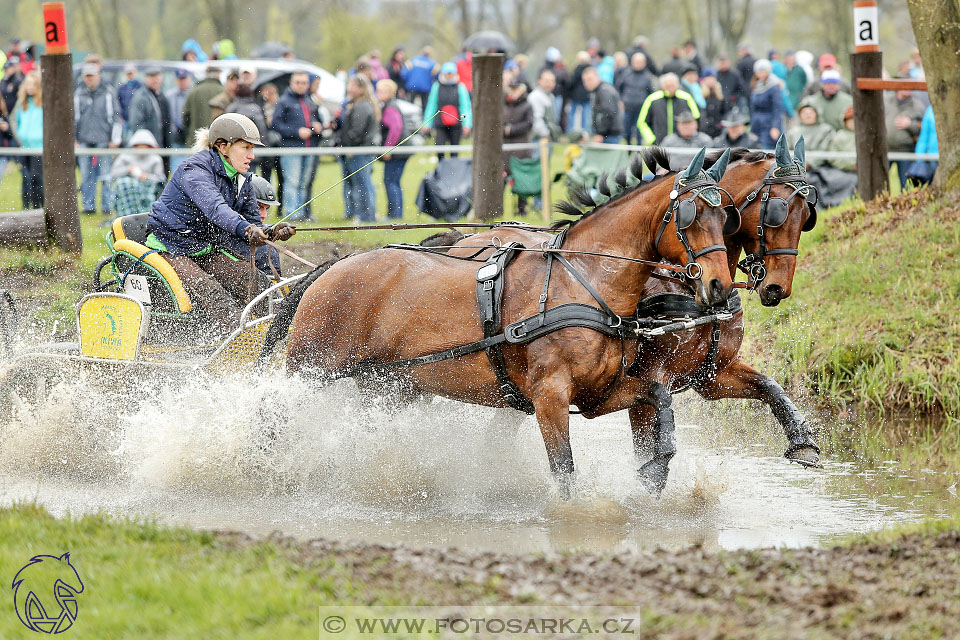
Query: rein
{"type": "Point", "coordinates": [684, 271]}
{"type": "Point", "coordinates": [435, 225]}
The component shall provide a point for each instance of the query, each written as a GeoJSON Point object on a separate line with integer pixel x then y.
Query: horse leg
{"type": "Point", "coordinates": [653, 474]}
{"type": "Point", "coordinates": [740, 380]}
{"type": "Point", "coordinates": [643, 419]}
{"type": "Point", "coordinates": [553, 415]}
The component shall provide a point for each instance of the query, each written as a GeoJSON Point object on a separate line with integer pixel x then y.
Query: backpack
{"type": "Point", "coordinates": [412, 119]}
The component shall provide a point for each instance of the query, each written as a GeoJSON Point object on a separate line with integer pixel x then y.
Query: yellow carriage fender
{"type": "Point", "coordinates": [117, 227]}
{"type": "Point", "coordinates": [161, 265]}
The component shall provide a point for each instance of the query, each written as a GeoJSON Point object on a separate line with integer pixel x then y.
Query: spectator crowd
{"type": "Point", "coordinates": [685, 100]}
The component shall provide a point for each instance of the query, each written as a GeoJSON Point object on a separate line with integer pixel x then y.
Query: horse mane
{"type": "Point", "coordinates": [736, 154]}
{"type": "Point", "coordinates": [580, 196]}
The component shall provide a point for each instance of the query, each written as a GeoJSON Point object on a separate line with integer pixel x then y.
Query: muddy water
{"type": "Point", "coordinates": [435, 473]}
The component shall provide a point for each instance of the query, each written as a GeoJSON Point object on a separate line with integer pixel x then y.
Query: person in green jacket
{"type": "Point", "coordinates": [796, 80]}
{"type": "Point", "coordinates": [843, 140]}
{"type": "Point", "coordinates": [816, 135]}
{"type": "Point", "coordinates": [658, 114]}
{"type": "Point", "coordinates": [832, 101]}
{"type": "Point", "coordinates": [196, 108]}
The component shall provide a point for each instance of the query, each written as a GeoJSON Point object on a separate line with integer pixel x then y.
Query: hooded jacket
{"type": "Point", "coordinates": [149, 164]}
{"type": "Point", "coordinates": [202, 207]}
{"type": "Point", "coordinates": [816, 136]}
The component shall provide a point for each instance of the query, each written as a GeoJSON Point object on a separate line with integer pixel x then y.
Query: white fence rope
{"type": "Point", "coordinates": [267, 152]}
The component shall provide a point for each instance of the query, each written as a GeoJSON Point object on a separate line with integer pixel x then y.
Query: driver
{"type": "Point", "coordinates": [206, 221]}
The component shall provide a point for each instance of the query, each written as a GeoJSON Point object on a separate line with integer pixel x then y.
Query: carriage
{"type": "Point", "coordinates": [137, 324]}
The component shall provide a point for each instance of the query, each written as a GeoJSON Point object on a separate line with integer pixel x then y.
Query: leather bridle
{"type": "Point", "coordinates": [706, 190]}
{"type": "Point", "coordinates": [753, 265]}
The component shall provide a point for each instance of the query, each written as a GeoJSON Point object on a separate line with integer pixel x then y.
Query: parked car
{"type": "Point", "coordinates": [332, 89]}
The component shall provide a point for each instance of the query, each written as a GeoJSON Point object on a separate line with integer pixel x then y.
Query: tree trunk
{"type": "Point", "coordinates": [936, 26]}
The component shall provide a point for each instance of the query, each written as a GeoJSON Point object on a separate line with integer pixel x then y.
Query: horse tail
{"type": "Point", "coordinates": [286, 310]}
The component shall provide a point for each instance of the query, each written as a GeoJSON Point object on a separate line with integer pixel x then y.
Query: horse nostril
{"type": "Point", "coordinates": [774, 291]}
{"type": "Point", "coordinates": [716, 290]}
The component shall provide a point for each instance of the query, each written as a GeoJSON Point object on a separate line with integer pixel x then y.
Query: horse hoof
{"type": "Point", "coordinates": [805, 457]}
{"type": "Point", "coordinates": [653, 477]}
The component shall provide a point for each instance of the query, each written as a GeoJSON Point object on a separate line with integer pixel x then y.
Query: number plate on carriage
{"type": "Point", "coordinates": [136, 287]}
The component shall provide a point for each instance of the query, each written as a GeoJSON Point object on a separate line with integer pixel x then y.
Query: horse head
{"type": "Point", "coordinates": [776, 205]}
{"type": "Point", "coordinates": [696, 220]}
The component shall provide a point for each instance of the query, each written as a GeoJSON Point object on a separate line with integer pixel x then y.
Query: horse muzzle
{"type": "Point", "coordinates": [712, 292]}
{"type": "Point", "coordinates": [771, 294]}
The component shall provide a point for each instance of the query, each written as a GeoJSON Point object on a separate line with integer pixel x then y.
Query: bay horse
{"type": "Point", "coordinates": [391, 305]}
{"type": "Point", "coordinates": [706, 358]}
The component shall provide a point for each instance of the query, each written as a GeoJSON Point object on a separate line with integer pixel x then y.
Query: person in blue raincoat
{"type": "Point", "coordinates": [206, 220]}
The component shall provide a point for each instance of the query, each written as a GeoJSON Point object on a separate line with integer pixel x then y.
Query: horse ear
{"type": "Point", "coordinates": [720, 166]}
{"type": "Point", "coordinates": [782, 155]}
{"type": "Point", "coordinates": [800, 153]}
{"type": "Point", "coordinates": [696, 165]}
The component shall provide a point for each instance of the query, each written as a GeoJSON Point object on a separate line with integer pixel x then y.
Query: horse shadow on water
{"type": "Point", "coordinates": [581, 342]}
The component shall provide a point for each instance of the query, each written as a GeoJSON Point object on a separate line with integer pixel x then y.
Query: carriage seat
{"type": "Point", "coordinates": [129, 235]}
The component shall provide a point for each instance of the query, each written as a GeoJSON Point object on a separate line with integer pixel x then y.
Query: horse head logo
{"type": "Point", "coordinates": [45, 594]}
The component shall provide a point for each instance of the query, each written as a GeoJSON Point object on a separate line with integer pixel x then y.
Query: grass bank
{"type": "Point", "coordinates": [873, 317]}
{"type": "Point", "coordinates": [143, 580]}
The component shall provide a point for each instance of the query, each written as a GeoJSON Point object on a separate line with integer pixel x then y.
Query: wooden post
{"type": "Point", "coordinates": [869, 126]}
{"type": "Point", "coordinates": [59, 166]}
{"type": "Point", "coordinates": [487, 136]}
{"type": "Point", "coordinates": [545, 177]}
{"type": "Point", "coordinates": [873, 175]}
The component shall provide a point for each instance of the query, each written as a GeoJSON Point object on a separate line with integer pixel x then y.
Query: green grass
{"type": "Point", "coordinates": [146, 580]}
{"type": "Point", "coordinates": [873, 316]}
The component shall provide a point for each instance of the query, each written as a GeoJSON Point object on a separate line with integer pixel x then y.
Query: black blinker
{"type": "Point", "coordinates": [686, 213]}
{"type": "Point", "coordinates": [776, 212]}
{"type": "Point", "coordinates": [811, 219]}
{"type": "Point", "coordinates": [732, 225]}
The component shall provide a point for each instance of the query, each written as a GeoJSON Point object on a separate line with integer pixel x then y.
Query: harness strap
{"type": "Point", "coordinates": [709, 366]}
{"type": "Point", "coordinates": [490, 285]}
{"type": "Point", "coordinates": [710, 249]}
{"type": "Point", "coordinates": [586, 285]}
{"type": "Point", "coordinates": [374, 368]}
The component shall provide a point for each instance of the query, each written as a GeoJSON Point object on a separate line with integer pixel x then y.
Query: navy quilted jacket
{"type": "Point", "coordinates": [200, 206]}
